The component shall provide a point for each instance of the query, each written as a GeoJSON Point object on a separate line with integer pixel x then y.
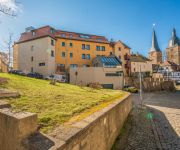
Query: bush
{"type": "Point", "coordinates": [95, 85]}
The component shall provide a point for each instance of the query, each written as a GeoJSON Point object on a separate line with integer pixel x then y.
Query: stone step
{"type": "Point", "coordinates": [4, 105]}
{"type": "Point", "coordinates": [8, 94]}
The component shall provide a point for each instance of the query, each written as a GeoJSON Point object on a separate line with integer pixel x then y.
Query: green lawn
{"type": "Point", "coordinates": [55, 104]}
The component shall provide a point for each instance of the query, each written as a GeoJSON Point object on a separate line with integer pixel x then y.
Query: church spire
{"type": "Point", "coordinates": [174, 39]}
{"type": "Point", "coordinates": [155, 46]}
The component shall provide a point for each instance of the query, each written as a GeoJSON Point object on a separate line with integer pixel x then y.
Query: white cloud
{"type": "Point", "coordinates": [9, 7]}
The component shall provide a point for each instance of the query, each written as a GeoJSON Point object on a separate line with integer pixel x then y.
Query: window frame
{"type": "Point", "coordinates": [83, 56]}
{"type": "Point", "coordinates": [63, 54]}
{"type": "Point", "coordinates": [63, 44]}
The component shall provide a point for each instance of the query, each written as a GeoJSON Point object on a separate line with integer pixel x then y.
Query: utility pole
{"type": "Point", "coordinates": [140, 85]}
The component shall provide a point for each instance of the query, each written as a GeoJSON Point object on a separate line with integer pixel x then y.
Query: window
{"type": "Point", "coordinates": [119, 49]}
{"type": "Point", "coordinates": [84, 36]}
{"type": "Point", "coordinates": [32, 58]}
{"type": "Point", "coordinates": [32, 70]}
{"type": "Point", "coordinates": [83, 56]}
{"type": "Point", "coordinates": [88, 56]}
{"type": "Point", "coordinates": [71, 36]}
{"type": "Point", "coordinates": [103, 48]}
{"type": "Point", "coordinates": [63, 35]}
{"type": "Point", "coordinates": [70, 44]}
{"type": "Point", "coordinates": [114, 74]}
{"type": "Point", "coordinates": [73, 65]}
{"type": "Point", "coordinates": [63, 44]}
{"type": "Point", "coordinates": [98, 48]}
{"type": "Point", "coordinates": [32, 48]}
{"type": "Point", "coordinates": [42, 64]}
{"type": "Point", "coordinates": [88, 47]}
{"type": "Point", "coordinates": [60, 68]}
{"type": "Point", "coordinates": [63, 54]}
{"type": "Point", "coordinates": [52, 53]}
{"type": "Point", "coordinates": [33, 33]}
{"type": "Point", "coordinates": [111, 53]}
{"type": "Point", "coordinates": [71, 55]}
{"type": "Point", "coordinates": [119, 56]}
{"type": "Point", "coordinates": [83, 46]}
{"type": "Point", "coordinates": [52, 31]}
{"type": "Point", "coordinates": [99, 39]}
{"type": "Point", "coordinates": [84, 65]}
{"type": "Point", "coordinates": [52, 42]}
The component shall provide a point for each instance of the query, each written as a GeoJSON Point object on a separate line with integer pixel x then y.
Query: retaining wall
{"type": "Point", "coordinates": [96, 132]}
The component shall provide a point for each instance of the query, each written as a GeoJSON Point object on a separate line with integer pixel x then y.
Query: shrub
{"type": "Point", "coordinates": [95, 85]}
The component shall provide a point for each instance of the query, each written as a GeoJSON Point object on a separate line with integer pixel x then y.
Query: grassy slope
{"type": "Point", "coordinates": [55, 104]}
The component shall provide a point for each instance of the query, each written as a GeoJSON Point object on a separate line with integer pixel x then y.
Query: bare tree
{"type": "Point", "coordinates": [9, 7]}
{"type": "Point", "coordinates": [8, 46]}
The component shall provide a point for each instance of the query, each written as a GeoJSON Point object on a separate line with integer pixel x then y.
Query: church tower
{"type": "Point", "coordinates": [173, 50]}
{"type": "Point", "coordinates": [155, 53]}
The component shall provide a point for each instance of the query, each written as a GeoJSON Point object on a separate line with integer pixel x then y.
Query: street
{"type": "Point", "coordinates": [156, 125]}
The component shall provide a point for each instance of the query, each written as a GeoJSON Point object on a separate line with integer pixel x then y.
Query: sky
{"type": "Point", "coordinates": [127, 20]}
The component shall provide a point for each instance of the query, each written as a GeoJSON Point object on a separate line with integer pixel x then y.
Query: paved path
{"type": "Point", "coordinates": [160, 132]}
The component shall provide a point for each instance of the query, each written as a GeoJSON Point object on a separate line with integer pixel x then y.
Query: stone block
{"type": "Point", "coordinates": [14, 127]}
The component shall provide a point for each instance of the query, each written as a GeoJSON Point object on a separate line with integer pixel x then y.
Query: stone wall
{"type": "Point", "coordinates": [96, 132]}
{"type": "Point", "coordinates": [151, 84]}
{"type": "Point", "coordinates": [14, 127]}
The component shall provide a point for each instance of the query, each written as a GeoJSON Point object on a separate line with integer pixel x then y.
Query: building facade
{"type": "Point", "coordinates": [3, 62]}
{"type": "Point", "coordinates": [173, 49]}
{"type": "Point", "coordinates": [155, 54]}
{"type": "Point", "coordinates": [139, 63]}
{"type": "Point", "coordinates": [123, 52]}
{"type": "Point", "coordinates": [78, 50]}
{"type": "Point", "coordinates": [46, 50]}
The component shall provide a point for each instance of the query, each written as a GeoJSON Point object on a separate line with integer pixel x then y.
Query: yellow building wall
{"type": "Point", "coordinates": [77, 51]}
{"type": "Point", "coordinates": [120, 51]}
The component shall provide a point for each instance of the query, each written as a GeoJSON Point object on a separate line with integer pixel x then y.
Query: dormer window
{"type": "Point", "coordinates": [33, 33]}
{"type": "Point", "coordinates": [84, 36]}
{"type": "Point", "coordinates": [52, 31]}
{"type": "Point", "coordinates": [63, 35]}
{"type": "Point", "coordinates": [71, 36]}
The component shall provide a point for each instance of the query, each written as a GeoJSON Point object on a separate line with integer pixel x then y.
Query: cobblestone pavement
{"type": "Point", "coordinates": [156, 126]}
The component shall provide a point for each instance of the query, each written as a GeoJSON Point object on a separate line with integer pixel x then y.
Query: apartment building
{"type": "Point", "coordinates": [35, 51]}
{"type": "Point", "coordinates": [46, 50]}
{"type": "Point", "coordinates": [78, 50]}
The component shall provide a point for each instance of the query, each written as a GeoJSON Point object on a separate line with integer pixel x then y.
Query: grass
{"type": "Point", "coordinates": [56, 104]}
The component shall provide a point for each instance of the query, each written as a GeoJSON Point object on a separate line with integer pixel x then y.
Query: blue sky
{"type": "Point", "coordinates": [128, 20]}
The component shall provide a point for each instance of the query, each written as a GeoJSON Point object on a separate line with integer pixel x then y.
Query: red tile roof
{"type": "Point", "coordinates": [46, 31]}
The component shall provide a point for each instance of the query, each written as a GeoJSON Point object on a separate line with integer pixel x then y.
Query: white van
{"type": "Point", "coordinates": [57, 77]}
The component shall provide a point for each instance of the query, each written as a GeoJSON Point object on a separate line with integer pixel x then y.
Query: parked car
{"type": "Point", "coordinates": [57, 77]}
{"type": "Point", "coordinates": [35, 75]}
{"type": "Point", "coordinates": [130, 89]}
{"type": "Point", "coordinates": [18, 72]}
{"type": "Point", "coordinates": [177, 82]}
